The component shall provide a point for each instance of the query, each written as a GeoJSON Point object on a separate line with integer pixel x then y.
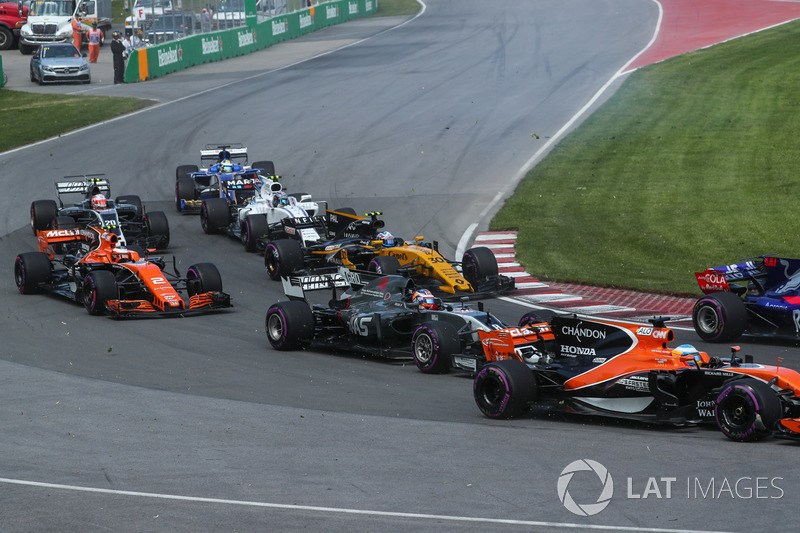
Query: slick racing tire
{"type": "Point", "coordinates": [43, 212]}
{"type": "Point", "coordinates": [214, 214]}
{"type": "Point", "coordinates": [529, 319]}
{"type": "Point", "coordinates": [433, 345]}
{"type": "Point", "coordinates": [64, 222]}
{"type": "Point", "coordinates": [183, 171]}
{"type": "Point", "coordinates": [157, 226]}
{"type": "Point", "coordinates": [504, 389]}
{"type": "Point", "coordinates": [184, 190]}
{"type": "Point", "coordinates": [477, 264]}
{"type": "Point", "coordinates": [267, 167]}
{"type": "Point", "coordinates": [282, 258]}
{"type": "Point", "coordinates": [131, 199]}
{"type": "Point", "coordinates": [384, 264]}
{"type": "Point", "coordinates": [254, 227]}
{"type": "Point", "coordinates": [203, 277]}
{"type": "Point", "coordinates": [747, 410]}
{"type": "Point", "coordinates": [289, 325]}
{"type": "Point", "coordinates": [98, 287]}
{"type": "Point", "coordinates": [31, 269]}
{"type": "Point", "coordinates": [719, 317]}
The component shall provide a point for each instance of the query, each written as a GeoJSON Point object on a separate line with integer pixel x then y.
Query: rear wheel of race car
{"type": "Point", "coordinates": [254, 227]}
{"type": "Point", "coordinates": [99, 286]}
{"type": "Point", "coordinates": [267, 167]}
{"type": "Point", "coordinates": [131, 199]}
{"type": "Point", "coordinates": [719, 317]}
{"type": "Point", "coordinates": [184, 190]}
{"type": "Point", "coordinates": [477, 264]}
{"type": "Point", "coordinates": [203, 277]}
{"type": "Point", "coordinates": [282, 258]}
{"type": "Point", "coordinates": [747, 410]}
{"type": "Point", "coordinates": [43, 212]}
{"type": "Point", "coordinates": [384, 264]}
{"type": "Point", "coordinates": [157, 226]}
{"type": "Point", "coordinates": [504, 389]}
{"type": "Point", "coordinates": [183, 170]}
{"type": "Point", "coordinates": [529, 319]}
{"type": "Point", "coordinates": [289, 325]}
{"type": "Point", "coordinates": [214, 214]}
{"type": "Point", "coordinates": [433, 345]}
{"type": "Point", "coordinates": [31, 269]}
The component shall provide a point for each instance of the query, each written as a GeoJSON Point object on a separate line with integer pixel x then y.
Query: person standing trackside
{"type": "Point", "coordinates": [119, 52]}
{"type": "Point", "coordinates": [76, 32]}
{"type": "Point", "coordinates": [95, 36]}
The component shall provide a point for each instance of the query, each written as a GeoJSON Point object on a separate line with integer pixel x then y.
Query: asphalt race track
{"type": "Point", "coordinates": [195, 424]}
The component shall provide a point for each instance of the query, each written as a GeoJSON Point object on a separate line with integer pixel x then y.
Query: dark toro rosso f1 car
{"type": "Point", "coordinates": [356, 242]}
{"type": "Point", "coordinates": [124, 216]}
{"type": "Point", "coordinates": [628, 371]}
{"type": "Point", "coordinates": [87, 265]}
{"type": "Point", "coordinates": [759, 296]}
{"type": "Point", "coordinates": [386, 315]}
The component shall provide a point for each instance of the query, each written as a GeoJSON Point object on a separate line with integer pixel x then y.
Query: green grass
{"type": "Point", "coordinates": [30, 117]}
{"type": "Point", "coordinates": [390, 8]}
{"type": "Point", "coordinates": [692, 163]}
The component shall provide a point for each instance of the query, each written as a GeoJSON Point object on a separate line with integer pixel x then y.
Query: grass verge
{"type": "Point", "coordinates": [690, 164]}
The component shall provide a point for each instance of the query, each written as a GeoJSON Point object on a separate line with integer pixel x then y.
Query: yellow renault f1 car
{"type": "Point", "coordinates": [357, 243]}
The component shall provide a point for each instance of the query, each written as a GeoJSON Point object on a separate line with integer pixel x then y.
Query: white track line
{"type": "Point", "coordinates": [342, 510]}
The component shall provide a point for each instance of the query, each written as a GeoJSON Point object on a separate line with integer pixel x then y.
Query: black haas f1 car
{"type": "Point", "coordinates": [628, 371]}
{"type": "Point", "coordinates": [125, 216]}
{"type": "Point", "coordinates": [355, 242]}
{"type": "Point", "coordinates": [220, 164]}
{"type": "Point", "coordinates": [386, 315]}
{"type": "Point", "coordinates": [87, 265]}
{"type": "Point", "coordinates": [760, 296]}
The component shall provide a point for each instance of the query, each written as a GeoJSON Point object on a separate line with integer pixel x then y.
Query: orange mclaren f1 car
{"type": "Point", "coordinates": [88, 266]}
{"type": "Point", "coordinates": [628, 371]}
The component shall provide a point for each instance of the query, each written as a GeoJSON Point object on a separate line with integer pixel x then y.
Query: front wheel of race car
{"type": "Point", "coordinates": [157, 227]}
{"type": "Point", "coordinates": [43, 212]}
{"type": "Point", "coordinates": [282, 258]}
{"type": "Point", "coordinates": [184, 190]}
{"type": "Point", "coordinates": [747, 410]}
{"type": "Point", "coordinates": [384, 264]}
{"type": "Point", "coordinates": [289, 325]}
{"type": "Point", "coordinates": [505, 389]}
{"type": "Point", "coordinates": [98, 287]}
{"type": "Point", "coordinates": [719, 317]}
{"type": "Point", "coordinates": [433, 344]}
{"type": "Point", "coordinates": [254, 227]}
{"type": "Point", "coordinates": [203, 277]}
{"type": "Point", "coordinates": [477, 264]}
{"type": "Point", "coordinates": [31, 269]}
{"type": "Point", "coordinates": [268, 167]}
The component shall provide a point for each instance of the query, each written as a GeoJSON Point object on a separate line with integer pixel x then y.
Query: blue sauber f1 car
{"type": "Point", "coordinates": [759, 296]}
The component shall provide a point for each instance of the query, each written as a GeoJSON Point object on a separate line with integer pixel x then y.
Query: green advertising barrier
{"type": "Point", "coordinates": [156, 61]}
{"type": "Point", "coordinates": [2, 76]}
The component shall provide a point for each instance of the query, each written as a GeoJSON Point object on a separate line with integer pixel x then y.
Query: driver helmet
{"type": "Point", "coordinates": [99, 202]}
{"type": "Point", "coordinates": [279, 199]}
{"type": "Point", "coordinates": [226, 165]}
{"type": "Point", "coordinates": [424, 298]}
{"type": "Point", "coordinates": [386, 237]}
{"type": "Point", "coordinates": [690, 355]}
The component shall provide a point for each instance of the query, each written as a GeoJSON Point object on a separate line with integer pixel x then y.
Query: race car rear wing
{"type": "Point", "coordinates": [295, 287]}
{"type": "Point", "coordinates": [718, 279]}
{"type": "Point", "coordinates": [216, 152]}
{"type": "Point", "coordinates": [85, 184]}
